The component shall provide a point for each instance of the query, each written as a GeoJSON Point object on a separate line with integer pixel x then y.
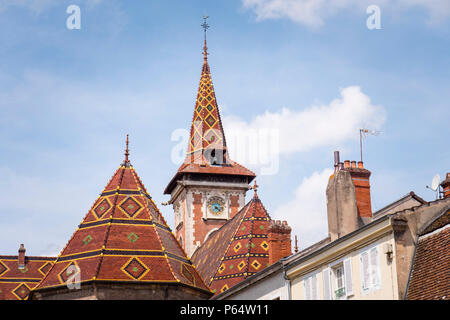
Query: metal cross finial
{"type": "Point", "coordinates": [127, 153]}
{"type": "Point", "coordinates": [205, 27]}
{"type": "Point", "coordinates": [255, 187]}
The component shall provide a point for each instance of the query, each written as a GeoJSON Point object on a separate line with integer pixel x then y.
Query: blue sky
{"type": "Point", "coordinates": [69, 97]}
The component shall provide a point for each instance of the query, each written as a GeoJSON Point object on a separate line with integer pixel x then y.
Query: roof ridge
{"type": "Point", "coordinates": [229, 241]}
{"type": "Point", "coordinates": [250, 241]}
{"type": "Point", "coordinates": [123, 167]}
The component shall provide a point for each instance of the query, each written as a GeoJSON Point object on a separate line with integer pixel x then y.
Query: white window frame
{"type": "Point", "coordinates": [372, 274]}
{"type": "Point", "coordinates": [333, 280]}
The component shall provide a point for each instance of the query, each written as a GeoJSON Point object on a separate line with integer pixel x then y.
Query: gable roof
{"type": "Point", "coordinates": [123, 238]}
{"type": "Point", "coordinates": [15, 283]}
{"type": "Point", "coordinates": [430, 277]}
{"type": "Point", "coordinates": [407, 201]}
{"type": "Point", "coordinates": [237, 250]}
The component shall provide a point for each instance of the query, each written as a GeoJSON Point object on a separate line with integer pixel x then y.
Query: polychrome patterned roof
{"type": "Point", "coordinates": [237, 250]}
{"type": "Point", "coordinates": [15, 283]}
{"type": "Point", "coordinates": [123, 237]}
{"type": "Point", "coordinates": [207, 133]}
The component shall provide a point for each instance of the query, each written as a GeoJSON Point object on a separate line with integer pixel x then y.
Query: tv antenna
{"type": "Point", "coordinates": [365, 132]}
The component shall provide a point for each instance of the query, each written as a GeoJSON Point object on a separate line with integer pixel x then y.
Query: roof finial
{"type": "Point", "coordinates": [255, 188]}
{"type": "Point", "coordinates": [296, 244]}
{"type": "Point", "coordinates": [127, 153]}
{"type": "Point", "coordinates": [205, 48]}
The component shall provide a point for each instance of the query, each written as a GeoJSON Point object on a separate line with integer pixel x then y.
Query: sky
{"type": "Point", "coordinates": [294, 80]}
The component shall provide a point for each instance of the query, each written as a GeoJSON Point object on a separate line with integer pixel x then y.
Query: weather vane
{"type": "Point", "coordinates": [205, 27]}
{"type": "Point", "coordinates": [205, 24]}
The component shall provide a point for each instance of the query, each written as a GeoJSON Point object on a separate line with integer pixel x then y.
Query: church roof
{"type": "Point", "coordinates": [16, 283]}
{"type": "Point", "coordinates": [207, 134]}
{"type": "Point", "coordinates": [237, 250]}
{"type": "Point", "coordinates": [123, 238]}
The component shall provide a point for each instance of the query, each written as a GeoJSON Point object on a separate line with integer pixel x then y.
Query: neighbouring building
{"type": "Point", "coordinates": [366, 256]}
{"type": "Point", "coordinates": [20, 274]}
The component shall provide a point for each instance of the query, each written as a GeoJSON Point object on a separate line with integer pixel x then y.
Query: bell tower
{"type": "Point", "coordinates": [208, 188]}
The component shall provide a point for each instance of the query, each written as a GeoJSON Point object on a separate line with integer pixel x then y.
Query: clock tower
{"type": "Point", "coordinates": [208, 188]}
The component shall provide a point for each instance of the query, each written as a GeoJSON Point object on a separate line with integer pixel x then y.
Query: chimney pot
{"type": "Point", "coordinates": [347, 164]}
{"type": "Point", "coordinates": [336, 158]}
{"type": "Point", "coordinates": [353, 164]}
{"type": "Point", "coordinates": [360, 164]}
{"type": "Point", "coordinates": [21, 257]}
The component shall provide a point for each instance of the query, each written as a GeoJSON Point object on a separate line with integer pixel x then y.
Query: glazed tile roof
{"type": "Point", "coordinates": [123, 237]}
{"type": "Point", "coordinates": [207, 134]}
{"type": "Point", "coordinates": [430, 276]}
{"type": "Point", "coordinates": [237, 250]}
{"type": "Point", "coordinates": [15, 283]}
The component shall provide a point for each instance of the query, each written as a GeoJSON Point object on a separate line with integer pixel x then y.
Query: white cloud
{"type": "Point", "coordinates": [288, 131]}
{"type": "Point", "coordinates": [313, 12]}
{"type": "Point", "coordinates": [306, 213]}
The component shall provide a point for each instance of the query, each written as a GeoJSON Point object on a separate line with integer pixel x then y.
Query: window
{"type": "Point", "coordinates": [339, 291]}
{"type": "Point", "coordinates": [370, 271]}
{"type": "Point", "coordinates": [310, 286]}
{"type": "Point", "coordinates": [337, 281]}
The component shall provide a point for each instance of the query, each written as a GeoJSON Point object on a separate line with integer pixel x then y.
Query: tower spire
{"type": "Point", "coordinates": [205, 48]}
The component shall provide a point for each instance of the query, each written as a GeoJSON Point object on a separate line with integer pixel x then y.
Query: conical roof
{"type": "Point", "coordinates": [237, 250]}
{"type": "Point", "coordinates": [123, 238]}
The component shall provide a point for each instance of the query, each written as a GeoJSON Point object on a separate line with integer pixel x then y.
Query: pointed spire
{"type": "Point", "coordinates": [206, 131]}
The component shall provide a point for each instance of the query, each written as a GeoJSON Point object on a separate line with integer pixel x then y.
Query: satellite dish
{"type": "Point", "coordinates": [435, 182]}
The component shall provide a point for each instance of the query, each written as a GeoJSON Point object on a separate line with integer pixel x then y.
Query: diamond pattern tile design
{"type": "Point", "coordinates": [69, 272]}
{"type": "Point", "coordinates": [130, 206]}
{"type": "Point", "coordinates": [102, 208]}
{"type": "Point", "coordinates": [22, 291]}
{"type": "Point", "coordinates": [3, 268]}
{"type": "Point", "coordinates": [45, 268]}
{"type": "Point", "coordinates": [135, 269]}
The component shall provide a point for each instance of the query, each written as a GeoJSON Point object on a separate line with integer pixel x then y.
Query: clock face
{"type": "Point", "coordinates": [216, 205]}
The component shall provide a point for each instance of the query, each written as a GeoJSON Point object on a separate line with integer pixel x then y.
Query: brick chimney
{"type": "Point", "coordinates": [348, 197]}
{"type": "Point", "coordinates": [21, 257]}
{"type": "Point", "coordinates": [446, 186]}
{"type": "Point", "coordinates": [279, 237]}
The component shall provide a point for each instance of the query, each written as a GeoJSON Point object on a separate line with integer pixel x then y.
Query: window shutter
{"type": "Point", "coordinates": [314, 287]}
{"type": "Point", "coordinates": [375, 281]}
{"type": "Point", "coordinates": [348, 277]}
{"type": "Point", "coordinates": [326, 284]}
{"type": "Point", "coordinates": [365, 275]}
{"type": "Point", "coordinates": [307, 283]}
